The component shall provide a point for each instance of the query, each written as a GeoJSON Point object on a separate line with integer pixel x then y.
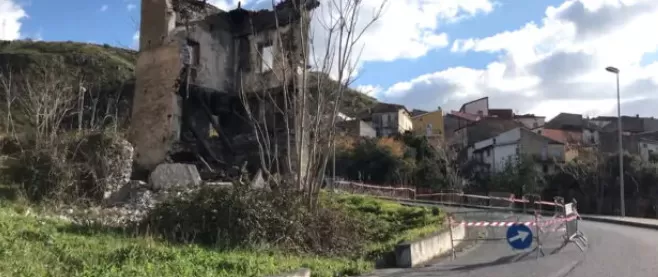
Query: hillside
{"type": "Point", "coordinates": [106, 73]}
{"type": "Point", "coordinates": [102, 68]}
{"type": "Point", "coordinates": [109, 65]}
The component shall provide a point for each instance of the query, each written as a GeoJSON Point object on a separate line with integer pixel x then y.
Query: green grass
{"type": "Point", "coordinates": [32, 246]}
{"type": "Point", "coordinates": [390, 222]}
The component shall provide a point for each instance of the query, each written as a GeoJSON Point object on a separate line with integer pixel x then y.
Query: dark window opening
{"type": "Point", "coordinates": [244, 54]}
{"type": "Point", "coordinates": [194, 52]}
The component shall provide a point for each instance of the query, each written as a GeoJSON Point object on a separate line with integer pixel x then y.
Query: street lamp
{"type": "Point", "coordinates": [621, 151]}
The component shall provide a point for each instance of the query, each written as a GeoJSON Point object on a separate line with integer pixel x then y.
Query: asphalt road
{"type": "Point", "coordinates": [614, 250]}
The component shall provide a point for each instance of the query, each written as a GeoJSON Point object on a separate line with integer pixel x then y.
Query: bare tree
{"type": "Point", "coordinates": [40, 101]}
{"type": "Point", "coordinates": [295, 126]}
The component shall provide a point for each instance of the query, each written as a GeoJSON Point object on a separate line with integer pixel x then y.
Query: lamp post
{"type": "Point", "coordinates": [621, 150]}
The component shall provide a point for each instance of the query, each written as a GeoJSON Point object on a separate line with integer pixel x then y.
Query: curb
{"type": "Point", "coordinates": [620, 222]}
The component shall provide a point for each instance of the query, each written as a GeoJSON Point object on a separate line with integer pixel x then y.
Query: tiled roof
{"type": "Point", "coordinates": [467, 116]}
{"type": "Point", "coordinates": [562, 135]}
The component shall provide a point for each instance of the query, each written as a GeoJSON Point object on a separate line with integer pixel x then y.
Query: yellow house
{"type": "Point", "coordinates": [429, 124]}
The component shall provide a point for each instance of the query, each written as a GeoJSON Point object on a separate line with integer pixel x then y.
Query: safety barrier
{"type": "Point", "coordinates": [519, 240]}
{"type": "Point", "coordinates": [528, 203]}
{"type": "Point", "coordinates": [360, 188]}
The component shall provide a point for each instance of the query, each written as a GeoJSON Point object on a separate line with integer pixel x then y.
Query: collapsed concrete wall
{"type": "Point", "coordinates": [156, 114]}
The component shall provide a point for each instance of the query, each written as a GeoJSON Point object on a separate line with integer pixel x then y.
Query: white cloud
{"type": "Point", "coordinates": [131, 7]}
{"type": "Point", "coordinates": [227, 5]}
{"type": "Point", "coordinates": [406, 29]}
{"type": "Point", "coordinates": [135, 43]}
{"type": "Point", "coordinates": [556, 65]}
{"type": "Point", "coordinates": [369, 89]}
{"type": "Point", "coordinates": [11, 14]}
{"type": "Point", "coordinates": [104, 8]}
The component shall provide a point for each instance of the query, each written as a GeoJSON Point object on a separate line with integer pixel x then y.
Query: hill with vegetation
{"type": "Point", "coordinates": [103, 70]}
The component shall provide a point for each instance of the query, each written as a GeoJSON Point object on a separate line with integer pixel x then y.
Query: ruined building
{"type": "Point", "coordinates": [194, 62]}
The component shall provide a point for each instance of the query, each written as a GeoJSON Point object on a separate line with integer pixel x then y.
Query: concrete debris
{"type": "Point", "coordinates": [167, 176]}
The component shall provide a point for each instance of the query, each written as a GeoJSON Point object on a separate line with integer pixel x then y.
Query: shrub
{"type": "Point", "coordinates": [78, 167]}
{"type": "Point", "coordinates": [244, 217]}
{"type": "Point", "coordinates": [40, 173]}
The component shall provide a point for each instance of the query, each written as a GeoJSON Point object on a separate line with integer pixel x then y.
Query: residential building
{"type": "Point", "coordinates": [630, 124]}
{"type": "Point", "coordinates": [648, 150]}
{"type": "Point", "coordinates": [455, 121]}
{"type": "Point", "coordinates": [416, 112]}
{"type": "Point", "coordinates": [530, 121]}
{"type": "Point", "coordinates": [389, 119]}
{"type": "Point", "coordinates": [356, 128]}
{"type": "Point", "coordinates": [429, 124]}
{"type": "Point", "coordinates": [644, 145]}
{"type": "Point", "coordinates": [585, 129]}
{"type": "Point", "coordinates": [494, 153]}
{"type": "Point", "coordinates": [572, 141]}
{"type": "Point", "coordinates": [501, 113]}
{"type": "Point", "coordinates": [194, 62]}
{"type": "Point", "coordinates": [476, 107]}
{"type": "Point", "coordinates": [482, 129]}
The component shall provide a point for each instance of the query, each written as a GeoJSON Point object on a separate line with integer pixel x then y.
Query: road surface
{"type": "Point", "coordinates": [614, 250]}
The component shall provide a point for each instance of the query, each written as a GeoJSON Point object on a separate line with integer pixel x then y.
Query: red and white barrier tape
{"type": "Point", "coordinates": [511, 199]}
{"type": "Point", "coordinates": [511, 223]}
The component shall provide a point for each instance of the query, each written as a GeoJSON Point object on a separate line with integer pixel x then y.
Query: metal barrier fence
{"type": "Point", "coordinates": [520, 233]}
{"type": "Point", "coordinates": [360, 188]}
{"type": "Point", "coordinates": [563, 217]}
{"type": "Point", "coordinates": [527, 204]}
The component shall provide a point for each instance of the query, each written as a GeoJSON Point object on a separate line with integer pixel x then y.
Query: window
{"type": "Point", "coordinates": [488, 152]}
{"type": "Point", "coordinates": [192, 58]}
{"type": "Point", "coordinates": [544, 168]}
{"type": "Point", "coordinates": [535, 125]}
{"type": "Point", "coordinates": [194, 53]}
{"type": "Point", "coordinates": [266, 57]}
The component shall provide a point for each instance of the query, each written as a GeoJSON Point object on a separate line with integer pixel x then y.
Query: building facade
{"type": "Point", "coordinates": [389, 119]}
{"type": "Point", "coordinates": [493, 154]}
{"type": "Point", "coordinates": [196, 60]}
{"type": "Point", "coordinates": [430, 125]}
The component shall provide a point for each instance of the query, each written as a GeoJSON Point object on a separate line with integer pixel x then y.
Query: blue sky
{"type": "Point", "coordinates": [532, 56]}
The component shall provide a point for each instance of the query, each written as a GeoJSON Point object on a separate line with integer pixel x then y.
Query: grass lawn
{"type": "Point", "coordinates": [390, 222]}
{"type": "Point", "coordinates": [37, 246]}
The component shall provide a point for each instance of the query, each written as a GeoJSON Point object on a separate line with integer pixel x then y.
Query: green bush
{"type": "Point", "coordinates": [243, 217]}
{"type": "Point", "coordinates": [73, 168]}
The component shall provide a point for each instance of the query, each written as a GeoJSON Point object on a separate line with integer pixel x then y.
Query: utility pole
{"type": "Point", "coordinates": [620, 145]}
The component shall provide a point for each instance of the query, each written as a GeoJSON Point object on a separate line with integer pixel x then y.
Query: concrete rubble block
{"type": "Point", "coordinates": [119, 167]}
{"type": "Point", "coordinates": [173, 176]}
{"type": "Point", "coordinates": [302, 272]}
{"type": "Point", "coordinates": [258, 182]}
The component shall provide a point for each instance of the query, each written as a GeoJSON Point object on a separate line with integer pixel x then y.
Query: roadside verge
{"type": "Point", "coordinates": [628, 221]}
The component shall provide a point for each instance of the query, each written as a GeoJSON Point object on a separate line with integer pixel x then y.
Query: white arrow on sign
{"type": "Point", "coordinates": [521, 235]}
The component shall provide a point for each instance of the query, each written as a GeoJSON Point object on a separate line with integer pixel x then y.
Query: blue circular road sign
{"type": "Point", "coordinates": [519, 236]}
